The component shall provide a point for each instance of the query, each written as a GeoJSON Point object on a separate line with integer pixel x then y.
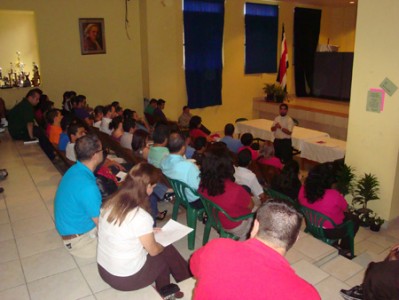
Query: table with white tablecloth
{"type": "Point", "coordinates": [314, 145]}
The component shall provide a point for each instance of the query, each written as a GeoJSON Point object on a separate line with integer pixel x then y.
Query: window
{"type": "Point", "coordinates": [261, 29]}
{"type": "Point", "coordinates": [203, 37]}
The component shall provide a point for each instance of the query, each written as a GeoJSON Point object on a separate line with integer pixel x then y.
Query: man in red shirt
{"type": "Point", "coordinates": [255, 268]}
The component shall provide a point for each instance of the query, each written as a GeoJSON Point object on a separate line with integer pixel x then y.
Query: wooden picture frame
{"type": "Point", "coordinates": [92, 36]}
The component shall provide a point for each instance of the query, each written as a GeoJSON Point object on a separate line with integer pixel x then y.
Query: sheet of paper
{"type": "Point", "coordinates": [382, 96]}
{"type": "Point", "coordinates": [374, 100]}
{"type": "Point", "coordinates": [172, 232]}
{"type": "Point", "coordinates": [388, 86]}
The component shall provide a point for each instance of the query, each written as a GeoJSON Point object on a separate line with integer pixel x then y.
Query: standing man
{"type": "Point", "coordinates": [255, 268]}
{"type": "Point", "coordinates": [78, 200]}
{"type": "Point", "coordinates": [282, 127]}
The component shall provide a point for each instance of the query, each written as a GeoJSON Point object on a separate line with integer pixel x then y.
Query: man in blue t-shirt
{"type": "Point", "coordinates": [231, 143]}
{"type": "Point", "coordinates": [78, 199]}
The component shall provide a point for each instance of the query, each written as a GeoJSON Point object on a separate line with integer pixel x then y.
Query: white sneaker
{"type": "Point", "coordinates": [4, 122]}
{"type": "Point", "coordinates": [2, 129]}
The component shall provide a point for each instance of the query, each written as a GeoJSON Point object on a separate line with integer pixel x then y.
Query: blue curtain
{"type": "Point", "coordinates": [261, 29]}
{"type": "Point", "coordinates": [203, 36]}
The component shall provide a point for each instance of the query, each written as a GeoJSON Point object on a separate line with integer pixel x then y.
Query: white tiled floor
{"type": "Point", "coordinates": [34, 264]}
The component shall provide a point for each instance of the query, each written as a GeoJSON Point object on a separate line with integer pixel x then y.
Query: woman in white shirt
{"type": "Point", "coordinates": [128, 256]}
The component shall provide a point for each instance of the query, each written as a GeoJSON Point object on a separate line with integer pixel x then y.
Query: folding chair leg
{"type": "Point", "coordinates": [207, 231]}
{"type": "Point", "coordinates": [191, 222]}
{"type": "Point", "coordinates": [175, 209]}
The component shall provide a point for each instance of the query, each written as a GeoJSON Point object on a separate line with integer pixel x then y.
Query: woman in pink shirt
{"type": "Point", "coordinates": [318, 194]}
{"type": "Point", "coordinates": [217, 184]}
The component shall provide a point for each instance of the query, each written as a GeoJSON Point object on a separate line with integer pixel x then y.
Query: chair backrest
{"type": "Point", "coordinates": [277, 195]}
{"type": "Point", "coordinates": [314, 222]}
{"type": "Point", "coordinates": [214, 211]}
{"type": "Point", "coordinates": [180, 188]}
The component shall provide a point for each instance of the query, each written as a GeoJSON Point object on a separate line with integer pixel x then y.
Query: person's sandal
{"type": "Point", "coordinates": [162, 215]}
{"type": "Point", "coordinates": [171, 291]}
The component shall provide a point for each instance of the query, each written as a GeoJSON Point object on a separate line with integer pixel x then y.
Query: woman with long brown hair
{"type": "Point", "coordinates": [128, 256]}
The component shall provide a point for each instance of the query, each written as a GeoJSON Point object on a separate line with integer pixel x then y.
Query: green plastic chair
{"type": "Point", "coordinates": [213, 210]}
{"type": "Point", "coordinates": [277, 195]}
{"type": "Point", "coordinates": [314, 225]}
{"type": "Point", "coordinates": [192, 214]}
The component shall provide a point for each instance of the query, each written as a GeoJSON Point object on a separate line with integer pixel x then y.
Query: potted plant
{"type": "Point", "coordinates": [376, 222]}
{"type": "Point", "coordinates": [279, 94]}
{"type": "Point", "coordinates": [345, 179]}
{"type": "Point", "coordinates": [366, 189]}
{"type": "Point", "coordinates": [269, 91]}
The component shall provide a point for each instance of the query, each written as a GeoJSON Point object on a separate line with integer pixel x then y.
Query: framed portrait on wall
{"type": "Point", "coordinates": [92, 36]}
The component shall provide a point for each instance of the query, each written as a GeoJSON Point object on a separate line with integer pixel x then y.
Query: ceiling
{"type": "Point", "coordinates": [323, 2]}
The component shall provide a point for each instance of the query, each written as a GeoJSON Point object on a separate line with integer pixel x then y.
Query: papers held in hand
{"type": "Point", "coordinates": [172, 232]}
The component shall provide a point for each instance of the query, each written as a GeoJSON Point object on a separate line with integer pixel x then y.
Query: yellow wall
{"type": "Point", "coordinates": [338, 25]}
{"type": "Point", "coordinates": [373, 139]}
{"type": "Point", "coordinates": [115, 75]}
{"type": "Point", "coordinates": [18, 33]}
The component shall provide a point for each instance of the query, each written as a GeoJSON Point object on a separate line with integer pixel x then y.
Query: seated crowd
{"type": "Point", "coordinates": [91, 201]}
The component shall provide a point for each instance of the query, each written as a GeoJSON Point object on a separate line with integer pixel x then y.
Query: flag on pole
{"type": "Point", "coordinates": [283, 66]}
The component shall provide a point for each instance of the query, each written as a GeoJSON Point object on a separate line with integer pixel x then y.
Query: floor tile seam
{"type": "Point", "coordinates": [7, 289]}
{"type": "Point", "coordinates": [47, 276]}
{"type": "Point", "coordinates": [22, 268]}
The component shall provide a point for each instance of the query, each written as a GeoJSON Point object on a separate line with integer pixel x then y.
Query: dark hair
{"type": "Point", "coordinates": [86, 146]}
{"type": "Point", "coordinates": [51, 114]}
{"type": "Point", "coordinates": [115, 104]}
{"type": "Point", "coordinates": [246, 139]}
{"type": "Point", "coordinates": [128, 123]}
{"type": "Point", "coordinates": [160, 102]}
{"type": "Point", "coordinates": [320, 178]}
{"type": "Point", "coordinates": [128, 114]}
{"type": "Point", "coordinates": [80, 98]}
{"type": "Point", "coordinates": [194, 122]}
{"type": "Point", "coordinates": [288, 182]}
{"type": "Point", "coordinates": [184, 107]}
{"type": "Point", "coordinates": [153, 100]}
{"type": "Point", "coordinates": [139, 139]}
{"type": "Point", "coordinates": [73, 129]}
{"type": "Point", "coordinates": [161, 133]}
{"type": "Point", "coordinates": [244, 158]}
{"type": "Point", "coordinates": [279, 224]}
{"type": "Point", "coordinates": [175, 142]}
{"type": "Point", "coordinates": [99, 109]}
{"type": "Point", "coordinates": [119, 109]}
{"type": "Point", "coordinates": [217, 166]}
{"type": "Point", "coordinates": [132, 193]}
{"type": "Point", "coordinates": [66, 122]}
{"type": "Point", "coordinates": [115, 122]}
{"type": "Point", "coordinates": [34, 91]}
{"type": "Point", "coordinates": [229, 129]}
{"type": "Point", "coordinates": [107, 109]}
{"type": "Point", "coordinates": [200, 142]}
{"type": "Point", "coordinates": [283, 105]}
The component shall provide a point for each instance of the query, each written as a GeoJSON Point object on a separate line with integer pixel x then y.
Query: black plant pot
{"type": "Point", "coordinates": [280, 99]}
{"type": "Point", "coordinates": [374, 227]}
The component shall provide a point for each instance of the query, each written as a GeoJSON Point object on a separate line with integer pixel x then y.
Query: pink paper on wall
{"type": "Point", "coordinates": [382, 96]}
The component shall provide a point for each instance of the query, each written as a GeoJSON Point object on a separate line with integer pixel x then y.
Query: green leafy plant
{"type": "Point", "coordinates": [269, 88]}
{"type": "Point", "coordinates": [345, 179]}
{"type": "Point", "coordinates": [366, 189]}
